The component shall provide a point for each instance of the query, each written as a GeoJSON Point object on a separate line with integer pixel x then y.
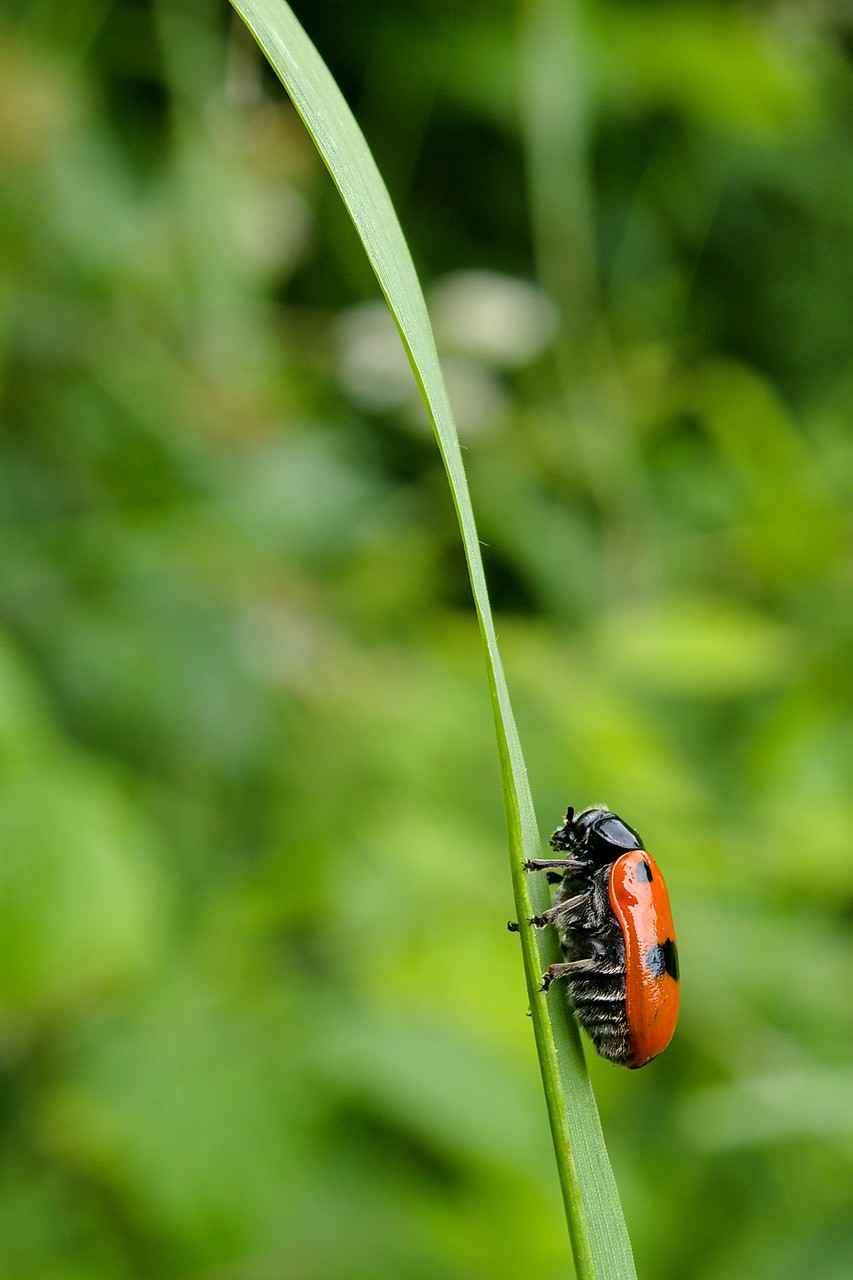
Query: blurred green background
{"type": "Point", "coordinates": [259, 1013]}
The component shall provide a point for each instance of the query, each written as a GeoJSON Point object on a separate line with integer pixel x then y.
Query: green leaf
{"type": "Point", "coordinates": [599, 1238]}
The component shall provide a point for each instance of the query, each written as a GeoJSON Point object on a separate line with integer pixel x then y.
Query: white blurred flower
{"type": "Point", "coordinates": [495, 318]}
{"type": "Point", "coordinates": [272, 224]}
{"type": "Point", "coordinates": [478, 398]}
{"type": "Point", "coordinates": [483, 322]}
{"type": "Point", "coordinates": [372, 365]}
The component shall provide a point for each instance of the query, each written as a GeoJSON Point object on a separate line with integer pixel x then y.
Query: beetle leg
{"type": "Point", "coordinates": [597, 908]}
{"type": "Point", "coordinates": [561, 915]}
{"type": "Point", "coordinates": [570, 969]}
{"type": "Point", "coordinates": [562, 864]}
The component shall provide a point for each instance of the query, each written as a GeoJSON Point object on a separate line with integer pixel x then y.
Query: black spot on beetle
{"type": "Point", "coordinates": [643, 872]}
{"type": "Point", "coordinates": [670, 958]}
{"type": "Point", "coordinates": [663, 958]}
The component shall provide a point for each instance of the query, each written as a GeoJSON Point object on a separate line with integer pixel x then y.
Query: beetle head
{"type": "Point", "coordinates": [597, 835]}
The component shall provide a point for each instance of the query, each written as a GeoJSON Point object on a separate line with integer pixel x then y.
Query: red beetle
{"type": "Point", "coordinates": [611, 910]}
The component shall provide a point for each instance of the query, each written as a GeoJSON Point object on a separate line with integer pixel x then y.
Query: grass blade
{"type": "Point", "coordinates": [599, 1238]}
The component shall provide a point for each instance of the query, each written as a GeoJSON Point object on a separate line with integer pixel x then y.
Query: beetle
{"type": "Point", "coordinates": [611, 910]}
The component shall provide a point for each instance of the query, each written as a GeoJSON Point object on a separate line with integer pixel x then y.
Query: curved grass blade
{"type": "Point", "coordinates": [599, 1238]}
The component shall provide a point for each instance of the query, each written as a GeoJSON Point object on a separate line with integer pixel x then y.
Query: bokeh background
{"type": "Point", "coordinates": [259, 1014]}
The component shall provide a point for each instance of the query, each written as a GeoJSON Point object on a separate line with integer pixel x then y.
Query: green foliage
{"type": "Point", "coordinates": [259, 1011]}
